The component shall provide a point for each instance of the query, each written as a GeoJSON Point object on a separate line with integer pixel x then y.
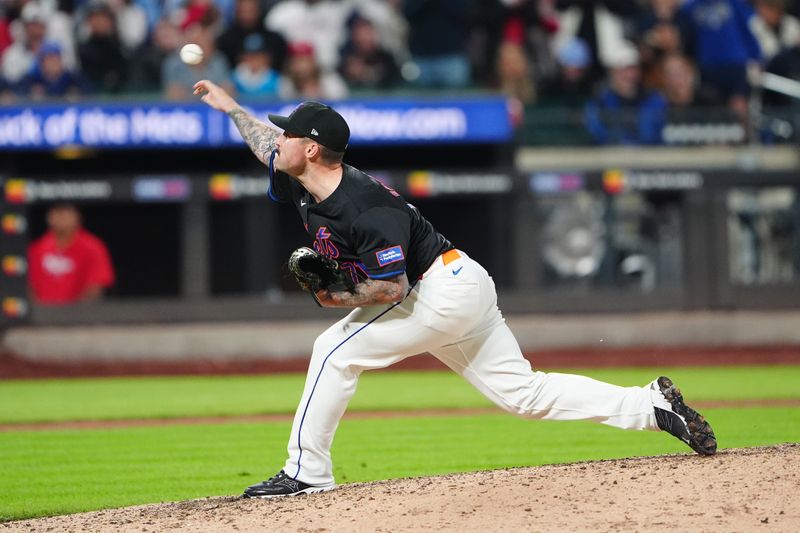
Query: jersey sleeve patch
{"type": "Point", "coordinates": [390, 255]}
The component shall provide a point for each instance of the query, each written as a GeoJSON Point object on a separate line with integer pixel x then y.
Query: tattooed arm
{"type": "Point", "coordinates": [259, 136]}
{"type": "Point", "coordinates": [368, 292]}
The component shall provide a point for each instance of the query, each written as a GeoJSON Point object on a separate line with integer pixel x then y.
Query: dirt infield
{"type": "Point", "coordinates": [737, 490]}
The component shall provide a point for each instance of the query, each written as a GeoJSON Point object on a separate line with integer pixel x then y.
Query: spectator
{"type": "Point", "coordinates": [774, 29]}
{"type": "Point", "coordinates": [192, 12]}
{"type": "Point", "coordinates": [437, 41]}
{"type": "Point", "coordinates": [103, 61]}
{"type": "Point", "coordinates": [572, 86]}
{"type": "Point", "coordinates": [132, 23]}
{"type": "Point", "coordinates": [320, 23]}
{"type": "Point", "coordinates": [178, 78]}
{"type": "Point", "coordinates": [622, 112]}
{"type": "Point", "coordinates": [49, 78]}
{"type": "Point", "coordinates": [5, 32]}
{"type": "Point", "coordinates": [185, 13]}
{"type": "Point", "coordinates": [196, 12]}
{"type": "Point", "coordinates": [248, 21]}
{"type": "Point", "coordinates": [20, 56]}
{"type": "Point", "coordinates": [364, 63]}
{"type": "Point", "coordinates": [61, 30]}
{"type": "Point", "coordinates": [254, 75]}
{"type": "Point", "coordinates": [487, 30]}
{"type": "Point", "coordinates": [786, 64]}
{"type": "Point", "coordinates": [659, 36]}
{"type": "Point", "coordinates": [546, 11]}
{"type": "Point", "coordinates": [305, 79]}
{"type": "Point", "coordinates": [153, 12]}
{"type": "Point", "coordinates": [716, 33]}
{"type": "Point", "coordinates": [558, 117]}
{"type": "Point", "coordinates": [390, 25]}
{"type": "Point", "coordinates": [68, 264]}
{"type": "Point", "coordinates": [657, 26]}
{"type": "Point", "coordinates": [688, 101]}
{"type": "Point", "coordinates": [144, 74]}
{"type": "Point", "coordinates": [688, 104]}
{"type": "Point", "coordinates": [528, 23]}
{"type": "Point", "coordinates": [514, 73]}
{"type": "Point", "coordinates": [60, 27]}
{"type": "Point", "coordinates": [603, 25]}
{"type": "Point", "coordinates": [680, 86]}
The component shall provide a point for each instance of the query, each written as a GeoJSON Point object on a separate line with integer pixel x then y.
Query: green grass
{"type": "Point", "coordinates": [170, 397]}
{"type": "Point", "coordinates": [56, 472]}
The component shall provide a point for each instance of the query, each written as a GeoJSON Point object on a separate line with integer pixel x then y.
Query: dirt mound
{"type": "Point", "coordinates": [752, 489]}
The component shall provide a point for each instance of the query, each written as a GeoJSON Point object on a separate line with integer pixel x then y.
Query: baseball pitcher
{"type": "Point", "coordinates": [411, 291]}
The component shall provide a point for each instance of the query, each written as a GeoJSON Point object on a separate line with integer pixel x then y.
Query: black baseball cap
{"type": "Point", "coordinates": [318, 122]}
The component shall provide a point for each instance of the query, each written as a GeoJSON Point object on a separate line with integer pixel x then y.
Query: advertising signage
{"type": "Point", "coordinates": [378, 122]}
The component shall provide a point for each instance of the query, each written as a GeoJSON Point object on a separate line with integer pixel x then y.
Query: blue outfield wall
{"type": "Point", "coordinates": [483, 119]}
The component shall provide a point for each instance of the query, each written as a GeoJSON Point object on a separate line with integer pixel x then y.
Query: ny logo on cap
{"type": "Point", "coordinates": [314, 131]}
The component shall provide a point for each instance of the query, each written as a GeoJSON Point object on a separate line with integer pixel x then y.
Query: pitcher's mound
{"type": "Point", "coordinates": [754, 489]}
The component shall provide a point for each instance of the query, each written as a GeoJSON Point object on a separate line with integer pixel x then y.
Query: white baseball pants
{"type": "Point", "coordinates": [451, 313]}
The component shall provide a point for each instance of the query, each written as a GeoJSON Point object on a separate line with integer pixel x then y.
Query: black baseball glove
{"type": "Point", "coordinates": [313, 271]}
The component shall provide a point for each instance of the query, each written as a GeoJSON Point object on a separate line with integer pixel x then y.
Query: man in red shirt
{"type": "Point", "coordinates": [68, 264]}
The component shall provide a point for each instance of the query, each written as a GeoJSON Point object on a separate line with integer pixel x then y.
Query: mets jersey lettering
{"type": "Point", "coordinates": [365, 225]}
{"type": "Point", "coordinates": [323, 244]}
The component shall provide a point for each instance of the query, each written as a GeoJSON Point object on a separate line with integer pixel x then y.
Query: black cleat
{"type": "Point", "coordinates": [684, 422]}
{"type": "Point", "coordinates": [281, 485]}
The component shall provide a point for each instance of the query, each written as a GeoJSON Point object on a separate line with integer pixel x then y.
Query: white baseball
{"type": "Point", "coordinates": [191, 54]}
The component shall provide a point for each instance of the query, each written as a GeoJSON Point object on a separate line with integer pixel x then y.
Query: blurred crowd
{"type": "Point", "coordinates": [651, 57]}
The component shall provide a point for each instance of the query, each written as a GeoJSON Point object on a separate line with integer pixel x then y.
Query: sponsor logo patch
{"type": "Point", "coordinates": [162, 189]}
{"type": "Point", "coordinates": [390, 255]}
{"type": "Point", "coordinates": [14, 307]}
{"type": "Point", "coordinates": [14, 265]}
{"type": "Point", "coordinates": [221, 187]}
{"type": "Point", "coordinates": [16, 191]}
{"type": "Point", "coordinates": [14, 224]}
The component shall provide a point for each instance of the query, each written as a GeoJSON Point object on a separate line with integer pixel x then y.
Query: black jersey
{"type": "Point", "coordinates": [367, 227]}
